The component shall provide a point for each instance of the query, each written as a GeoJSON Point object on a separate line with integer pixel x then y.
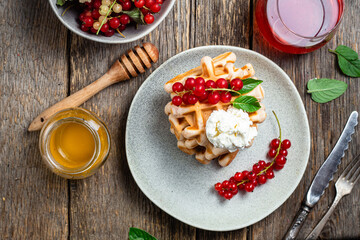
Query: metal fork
{"type": "Point", "coordinates": [343, 186]}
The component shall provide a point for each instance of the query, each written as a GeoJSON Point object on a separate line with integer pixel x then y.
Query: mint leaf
{"type": "Point", "coordinates": [324, 90]}
{"type": "Point", "coordinates": [61, 2]}
{"type": "Point", "coordinates": [136, 15]}
{"type": "Point", "coordinates": [249, 85]}
{"type": "Point", "coordinates": [348, 60]}
{"type": "Point", "coordinates": [247, 103]}
{"type": "Point", "coordinates": [138, 234]}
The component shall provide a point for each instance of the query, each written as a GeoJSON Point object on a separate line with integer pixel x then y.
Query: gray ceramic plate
{"type": "Point", "coordinates": [70, 21]}
{"type": "Point", "coordinates": [183, 187]}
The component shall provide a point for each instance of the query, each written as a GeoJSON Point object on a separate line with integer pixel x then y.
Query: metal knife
{"type": "Point", "coordinates": [323, 176]}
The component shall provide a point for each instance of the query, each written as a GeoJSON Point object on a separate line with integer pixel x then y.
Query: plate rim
{"type": "Point", "coordinates": [303, 110]}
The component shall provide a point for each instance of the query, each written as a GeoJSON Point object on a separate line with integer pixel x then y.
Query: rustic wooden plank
{"type": "Point", "coordinates": [108, 203]}
{"type": "Point", "coordinates": [326, 122]}
{"type": "Point", "coordinates": [33, 200]}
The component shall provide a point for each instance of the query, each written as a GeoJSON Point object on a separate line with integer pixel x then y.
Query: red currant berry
{"type": "Point", "coordinates": [114, 23]}
{"type": "Point", "coordinates": [228, 195]}
{"type": "Point", "coordinates": [203, 97]}
{"type": "Point", "coordinates": [275, 143]}
{"type": "Point", "coordinates": [84, 28]}
{"type": "Point", "coordinates": [225, 184]}
{"type": "Point", "coordinates": [238, 177]}
{"type": "Point", "coordinates": [236, 84]}
{"type": "Point", "coordinates": [232, 180]}
{"type": "Point", "coordinates": [269, 174]}
{"type": "Point", "coordinates": [221, 83]}
{"type": "Point", "coordinates": [232, 186]}
{"type": "Point", "coordinates": [235, 191]}
{"type": "Point", "coordinates": [88, 21]}
{"type": "Point", "coordinates": [210, 84]}
{"type": "Point", "coordinates": [105, 28]}
{"type": "Point", "coordinates": [245, 174]}
{"type": "Point", "coordinates": [109, 33]}
{"type": "Point", "coordinates": [218, 186]}
{"type": "Point", "coordinates": [189, 84]}
{"type": "Point", "coordinates": [199, 90]}
{"type": "Point", "coordinates": [280, 160]}
{"type": "Point", "coordinates": [82, 16]}
{"type": "Point", "coordinates": [221, 192]}
{"type": "Point", "coordinates": [155, 8]}
{"type": "Point", "coordinates": [283, 152]}
{"type": "Point", "coordinates": [177, 100]}
{"type": "Point", "coordinates": [177, 87]}
{"type": "Point", "coordinates": [286, 144]}
{"type": "Point", "coordinates": [241, 186]}
{"type": "Point", "coordinates": [262, 163]}
{"type": "Point", "coordinates": [93, 30]}
{"type": "Point", "coordinates": [225, 97]}
{"type": "Point", "coordinates": [149, 3]}
{"type": "Point", "coordinates": [200, 80]}
{"type": "Point", "coordinates": [126, 5]}
{"type": "Point", "coordinates": [249, 187]}
{"type": "Point", "coordinates": [149, 18]}
{"type": "Point", "coordinates": [192, 99]}
{"type": "Point", "coordinates": [122, 27]}
{"type": "Point", "coordinates": [139, 3]}
{"type": "Point", "coordinates": [262, 179]}
{"type": "Point", "coordinates": [214, 98]}
{"type": "Point", "coordinates": [95, 14]}
{"type": "Point", "coordinates": [255, 182]}
{"type": "Point", "coordinates": [251, 176]}
{"type": "Point", "coordinates": [160, 1]}
{"type": "Point", "coordinates": [272, 152]}
{"type": "Point", "coordinates": [257, 168]}
{"type": "Point", "coordinates": [185, 98]}
{"type": "Point", "coordinates": [278, 167]}
{"type": "Point", "coordinates": [144, 11]}
{"type": "Point", "coordinates": [124, 19]}
{"type": "Point", "coordinates": [97, 4]}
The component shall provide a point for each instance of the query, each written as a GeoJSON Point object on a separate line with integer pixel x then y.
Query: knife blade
{"type": "Point", "coordinates": [324, 175]}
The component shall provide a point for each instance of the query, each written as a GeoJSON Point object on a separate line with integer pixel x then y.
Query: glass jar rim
{"type": "Point", "coordinates": [342, 8]}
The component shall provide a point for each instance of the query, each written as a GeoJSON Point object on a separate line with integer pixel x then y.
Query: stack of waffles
{"type": "Point", "coordinates": [188, 122]}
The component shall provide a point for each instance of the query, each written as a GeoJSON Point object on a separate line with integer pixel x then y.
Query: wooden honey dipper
{"type": "Point", "coordinates": [119, 71]}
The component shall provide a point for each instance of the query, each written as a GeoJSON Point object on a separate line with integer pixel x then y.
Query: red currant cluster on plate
{"type": "Point", "coordinates": [260, 173]}
{"type": "Point", "coordinates": [115, 15]}
{"type": "Point", "coordinates": [196, 89]}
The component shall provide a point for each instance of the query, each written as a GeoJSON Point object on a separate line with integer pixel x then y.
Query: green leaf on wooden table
{"type": "Point", "coordinates": [247, 103]}
{"type": "Point", "coordinates": [324, 90]}
{"type": "Point", "coordinates": [249, 85]}
{"type": "Point", "coordinates": [348, 60]}
{"type": "Point", "coordinates": [138, 234]}
{"type": "Point", "coordinates": [61, 2]}
{"type": "Point", "coordinates": [136, 15]}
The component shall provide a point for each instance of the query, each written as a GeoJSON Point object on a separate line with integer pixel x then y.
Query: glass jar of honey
{"type": "Point", "coordinates": [74, 143]}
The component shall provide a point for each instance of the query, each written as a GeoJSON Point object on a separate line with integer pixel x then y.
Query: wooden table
{"type": "Point", "coordinates": [42, 62]}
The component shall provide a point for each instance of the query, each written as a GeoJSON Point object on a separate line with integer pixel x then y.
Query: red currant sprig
{"type": "Point", "coordinates": [198, 90]}
{"type": "Point", "coordinates": [261, 171]}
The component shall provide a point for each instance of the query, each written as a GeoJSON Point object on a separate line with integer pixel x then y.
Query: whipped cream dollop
{"type": "Point", "coordinates": [230, 129]}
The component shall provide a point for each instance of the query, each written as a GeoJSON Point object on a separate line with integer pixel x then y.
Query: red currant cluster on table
{"type": "Point", "coordinates": [196, 89]}
{"type": "Point", "coordinates": [115, 15]}
{"type": "Point", "coordinates": [261, 171]}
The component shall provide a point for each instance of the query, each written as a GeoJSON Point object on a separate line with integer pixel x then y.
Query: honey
{"type": "Point", "coordinates": [74, 143]}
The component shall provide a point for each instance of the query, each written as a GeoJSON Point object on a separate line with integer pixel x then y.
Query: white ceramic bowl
{"type": "Point", "coordinates": [70, 21]}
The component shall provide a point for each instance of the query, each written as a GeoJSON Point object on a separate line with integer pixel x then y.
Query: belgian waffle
{"type": "Point", "coordinates": [188, 121]}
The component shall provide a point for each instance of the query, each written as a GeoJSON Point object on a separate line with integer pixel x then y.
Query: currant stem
{"type": "Point", "coordinates": [107, 14]}
{"type": "Point", "coordinates": [277, 153]}
{"type": "Point", "coordinates": [222, 89]}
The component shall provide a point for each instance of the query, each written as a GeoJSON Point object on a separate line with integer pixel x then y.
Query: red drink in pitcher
{"type": "Point", "coordinates": [298, 26]}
